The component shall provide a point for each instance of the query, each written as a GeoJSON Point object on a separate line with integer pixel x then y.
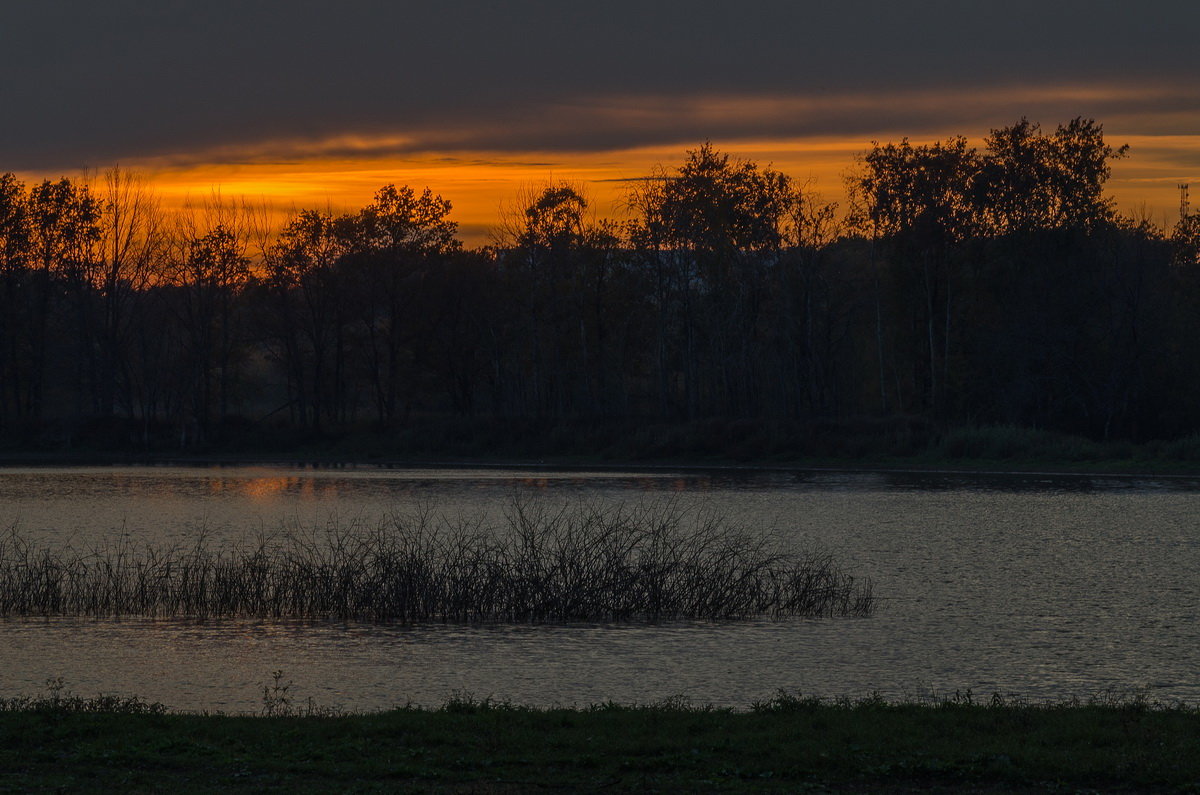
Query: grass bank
{"type": "Point", "coordinates": [785, 744]}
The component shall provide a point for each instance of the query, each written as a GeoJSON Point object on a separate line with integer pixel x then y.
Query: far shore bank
{"type": "Point", "coordinates": [981, 468]}
{"type": "Point", "coordinates": [896, 445]}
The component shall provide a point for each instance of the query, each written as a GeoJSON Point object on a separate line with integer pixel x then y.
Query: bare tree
{"type": "Point", "coordinates": [209, 266]}
{"type": "Point", "coordinates": [131, 252]}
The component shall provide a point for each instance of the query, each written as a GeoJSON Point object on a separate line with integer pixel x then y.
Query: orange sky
{"type": "Point", "coordinates": [482, 185]}
{"type": "Point", "coordinates": [304, 103]}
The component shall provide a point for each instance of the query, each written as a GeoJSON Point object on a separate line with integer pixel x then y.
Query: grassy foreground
{"type": "Point", "coordinates": [786, 744]}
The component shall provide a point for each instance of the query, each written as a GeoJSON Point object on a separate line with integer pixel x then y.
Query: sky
{"type": "Point", "coordinates": [307, 103]}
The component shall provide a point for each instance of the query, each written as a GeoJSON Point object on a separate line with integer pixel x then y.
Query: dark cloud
{"type": "Point", "coordinates": [88, 83]}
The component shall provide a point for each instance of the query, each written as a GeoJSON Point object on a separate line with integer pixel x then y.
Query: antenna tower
{"type": "Point", "coordinates": [1184, 205]}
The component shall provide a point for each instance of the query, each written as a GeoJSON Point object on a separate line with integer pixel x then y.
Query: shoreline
{"type": "Point", "coordinates": [896, 444]}
{"type": "Point", "coordinates": [1170, 470]}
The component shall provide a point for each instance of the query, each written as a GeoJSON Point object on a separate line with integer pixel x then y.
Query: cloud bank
{"type": "Point", "coordinates": [90, 84]}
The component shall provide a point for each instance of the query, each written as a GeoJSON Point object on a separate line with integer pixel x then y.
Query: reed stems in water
{"type": "Point", "coordinates": [578, 562]}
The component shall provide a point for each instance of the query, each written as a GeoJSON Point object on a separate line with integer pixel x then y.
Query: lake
{"type": "Point", "coordinates": [1043, 586]}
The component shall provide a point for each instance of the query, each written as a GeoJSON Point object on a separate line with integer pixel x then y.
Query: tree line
{"type": "Point", "coordinates": [992, 284]}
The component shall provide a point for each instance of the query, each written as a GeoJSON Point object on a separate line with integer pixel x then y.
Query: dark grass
{"type": "Point", "coordinates": [580, 562]}
{"type": "Point", "coordinates": [786, 744]}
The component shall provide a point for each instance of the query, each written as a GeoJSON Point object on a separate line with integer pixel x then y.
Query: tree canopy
{"type": "Point", "coordinates": [991, 283]}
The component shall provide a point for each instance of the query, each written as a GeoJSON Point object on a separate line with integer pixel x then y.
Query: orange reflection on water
{"type": "Point", "coordinates": [269, 488]}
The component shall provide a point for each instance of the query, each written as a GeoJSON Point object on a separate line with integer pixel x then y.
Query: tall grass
{"type": "Point", "coordinates": [570, 563]}
{"type": "Point", "coordinates": [58, 699]}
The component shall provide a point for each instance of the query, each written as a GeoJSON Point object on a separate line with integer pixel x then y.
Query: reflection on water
{"type": "Point", "coordinates": [1038, 584]}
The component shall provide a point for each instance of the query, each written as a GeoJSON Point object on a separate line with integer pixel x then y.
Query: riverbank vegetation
{"type": "Point", "coordinates": [572, 563]}
{"type": "Point", "coordinates": [960, 287]}
{"type": "Point", "coordinates": [878, 443]}
{"type": "Point", "coordinates": [906, 443]}
{"type": "Point", "coordinates": [786, 743]}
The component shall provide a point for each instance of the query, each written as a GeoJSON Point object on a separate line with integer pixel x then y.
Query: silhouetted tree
{"type": "Point", "coordinates": [209, 271]}
{"type": "Point", "coordinates": [707, 232]}
{"type": "Point", "coordinates": [14, 257]}
{"type": "Point", "coordinates": [812, 302]}
{"type": "Point", "coordinates": [920, 203]}
{"type": "Point", "coordinates": [996, 284]}
{"type": "Point", "coordinates": [561, 268]}
{"type": "Point", "coordinates": [130, 258]}
{"type": "Point", "coordinates": [308, 324]}
{"type": "Point", "coordinates": [1032, 181]}
{"type": "Point", "coordinates": [1186, 239]}
{"type": "Point", "coordinates": [391, 246]}
{"type": "Point", "coordinates": [63, 232]}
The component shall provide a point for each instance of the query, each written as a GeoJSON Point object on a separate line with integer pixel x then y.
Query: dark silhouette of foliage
{"type": "Point", "coordinates": [996, 284]}
{"type": "Point", "coordinates": [1032, 181]}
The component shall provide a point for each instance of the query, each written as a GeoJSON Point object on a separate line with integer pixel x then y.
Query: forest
{"type": "Point", "coordinates": [958, 284]}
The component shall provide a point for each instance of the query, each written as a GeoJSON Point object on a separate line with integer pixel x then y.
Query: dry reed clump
{"type": "Point", "coordinates": [574, 563]}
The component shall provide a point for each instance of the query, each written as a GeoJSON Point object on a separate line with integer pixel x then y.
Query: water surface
{"type": "Point", "coordinates": [1044, 586]}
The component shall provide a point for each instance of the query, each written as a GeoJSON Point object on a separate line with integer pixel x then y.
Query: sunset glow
{"type": "Point", "coordinates": [483, 186]}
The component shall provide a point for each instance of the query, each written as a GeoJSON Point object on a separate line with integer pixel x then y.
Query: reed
{"type": "Point", "coordinates": [577, 562]}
